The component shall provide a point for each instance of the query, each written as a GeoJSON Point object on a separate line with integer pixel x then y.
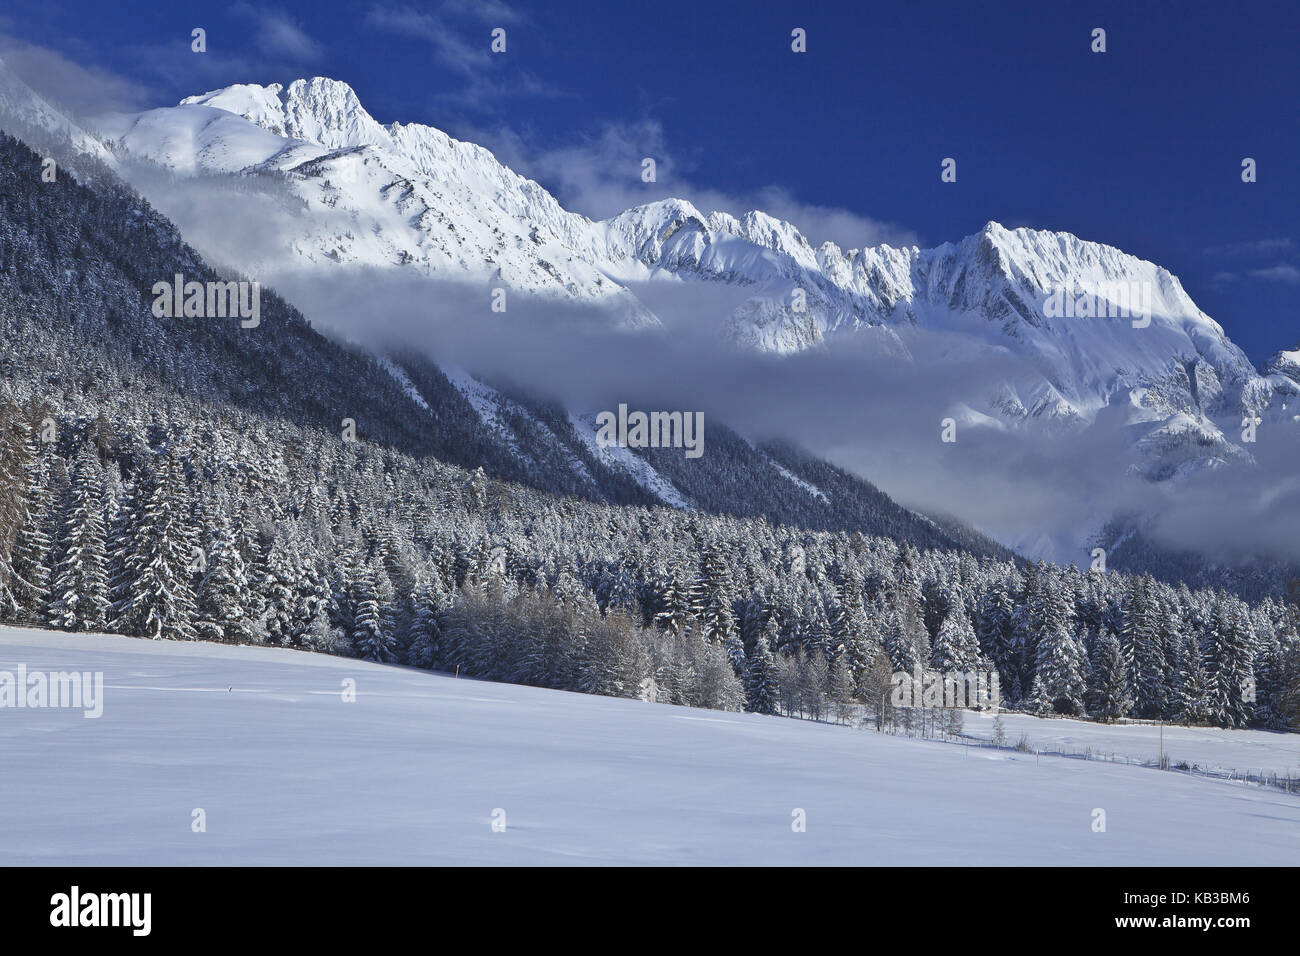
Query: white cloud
{"type": "Point", "coordinates": [1279, 273]}
{"type": "Point", "coordinates": [599, 175]}
{"type": "Point", "coordinates": [79, 89]}
{"type": "Point", "coordinates": [1253, 247]}
{"type": "Point", "coordinates": [279, 35]}
{"type": "Point", "coordinates": [459, 34]}
{"type": "Point", "coordinates": [450, 49]}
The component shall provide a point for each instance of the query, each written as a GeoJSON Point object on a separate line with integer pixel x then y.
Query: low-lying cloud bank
{"type": "Point", "coordinates": [873, 404]}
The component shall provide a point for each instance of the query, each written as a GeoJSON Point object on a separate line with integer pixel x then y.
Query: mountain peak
{"type": "Point", "coordinates": [318, 110]}
{"type": "Point", "coordinates": [328, 112]}
{"type": "Point", "coordinates": [1285, 363]}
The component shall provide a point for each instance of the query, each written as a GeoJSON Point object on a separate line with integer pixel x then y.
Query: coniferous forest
{"type": "Point", "coordinates": [189, 480]}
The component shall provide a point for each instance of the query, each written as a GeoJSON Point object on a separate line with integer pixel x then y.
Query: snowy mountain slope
{"type": "Point", "coordinates": [518, 429]}
{"type": "Point", "coordinates": [1283, 374]}
{"type": "Point", "coordinates": [23, 112]}
{"type": "Point", "coordinates": [413, 771]}
{"type": "Point", "coordinates": [551, 446]}
{"type": "Point", "coordinates": [352, 192]}
{"type": "Point", "coordinates": [81, 257]}
{"type": "Point", "coordinates": [627, 461]}
{"type": "Point", "coordinates": [369, 195]}
{"type": "Point", "coordinates": [197, 139]}
{"type": "Point", "coordinates": [790, 476]}
{"type": "Point", "coordinates": [413, 196]}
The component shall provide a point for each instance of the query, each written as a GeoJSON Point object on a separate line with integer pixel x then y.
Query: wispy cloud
{"type": "Point", "coordinates": [278, 34]}
{"type": "Point", "coordinates": [1283, 272]}
{"type": "Point", "coordinates": [458, 32]}
{"type": "Point", "coordinates": [599, 175]}
{"type": "Point", "coordinates": [451, 50]}
{"type": "Point", "coordinates": [80, 88]}
{"type": "Point", "coordinates": [1253, 248]}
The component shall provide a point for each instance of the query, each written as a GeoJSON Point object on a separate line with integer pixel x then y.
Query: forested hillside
{"type": "Point", "coordinates": [187, 479]}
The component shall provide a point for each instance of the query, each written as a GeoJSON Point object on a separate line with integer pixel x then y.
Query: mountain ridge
{"type": "Point", "coordinates": [409, 197]}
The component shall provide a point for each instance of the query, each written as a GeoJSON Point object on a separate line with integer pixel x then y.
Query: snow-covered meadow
{"type": "Point", "coordinates": [1220, 750]}
{"type": "Point", "coordinates": [417, 769]}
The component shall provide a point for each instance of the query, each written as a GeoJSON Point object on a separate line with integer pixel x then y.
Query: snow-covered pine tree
{"type": "Point", "coordinates": [430, 602]}
{"type": "Point", "coordinates": [15, 455]}
{"type": "Point", "coordinates": [1192, 688]}
{"type": "Point", "coordinates": [956, 649]}
{"type": "Point", "coordinates": [840, 690]}
{"type": "Point", "coordinates": [1059, 666]}
{"type": "Point", "coordinates": [994, 625]}
{"type": "Point", "coordinates": [223, 594]}
{"type": "Point", "coordinates": [151, 590]}
{"type": "Point", "coordinates": [369, 639]}
{"type": "Point", "coordinates": [33, 551]}
{"type": "Point", "coordinates": [1144, 643]}
{"type": "Point", "coordinates": [709, 600]}
{"type": "Point", "coordinates": [279, 586]}
{"type": "Point", "coordinates": [1108, 692]}
{"type": "Point", "coordinates": [673, 603]}
{"type": "Point", "coordinates": [79, 587]}
{"type": "Point", "coordinates": [761, 683]}
{"type": "Point", "coordinates": [24, 542]}
{"type": "Point", "coordinates": [902, 638]}
{"type": "Point", "coordinates": [1232, 655]}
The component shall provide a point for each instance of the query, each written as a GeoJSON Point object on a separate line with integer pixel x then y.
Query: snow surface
{"type": "Point", "coordinates": [411, 772]}
{"type": "Point", "coordinates": [410, 196]}
{"type": "Point", "coordinates": [624, 460]}
{"type": "Point", "coordinates": [791, 477]}
{"type": "Point", "coordinates": [404, 380]}
{"type": "Point", "coordinates": [349, 192]}
{"type": "Point", "coordinates": [1250, 751]}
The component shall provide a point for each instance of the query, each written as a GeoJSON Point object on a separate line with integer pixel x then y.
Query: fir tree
{"type": "Point", "coordinates": [426, 623]}
{"type": "Point", "coordinates": [840, 690]}
{"type": "Point", "coordinates": [1232, 654]}
{"type": "Point", "coordinates": [761, 686]}
{"type": "Point", "coordinates": [956, 648]}
{"type": "Point", "coordinates": [369, 639]}
{"type": "Point", "coordinates": [1108, 697]}
{"type": "Point", "coordinates": [223, 592]}
{"type": "Point", "coordinates": [79, 598]}
{"type": "Point", "coordinates": [151, 587]}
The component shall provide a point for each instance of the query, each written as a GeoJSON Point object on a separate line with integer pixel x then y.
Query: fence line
{"type": "Point", "coordinates": [1287, 783]}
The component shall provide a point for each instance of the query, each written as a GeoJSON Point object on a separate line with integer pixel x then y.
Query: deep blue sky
{"type": "Point", "coordinates": [1139, 147]}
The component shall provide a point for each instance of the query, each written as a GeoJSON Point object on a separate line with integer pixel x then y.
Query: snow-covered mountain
{"type": "Point", "coordinates": [410, 196]}
{"type": "Point", "coordinates": [407, 197]}
{"type": "Point", "coordinates": [364, 194]}
{"type": "Point", "coordinates": [27, 114]}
